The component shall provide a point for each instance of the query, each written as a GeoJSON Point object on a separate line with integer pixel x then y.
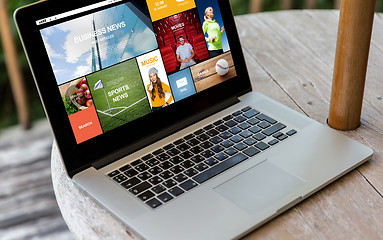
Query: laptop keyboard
{"type": "Point", "coordinates": [169, 172]}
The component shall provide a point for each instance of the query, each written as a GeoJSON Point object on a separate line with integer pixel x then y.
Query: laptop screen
{"type": "Point", "coordinates": [117, 61]}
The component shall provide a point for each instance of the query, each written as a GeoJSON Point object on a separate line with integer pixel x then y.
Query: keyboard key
{"type": "Point", "coordinates": [239, 112]}
{"type": "Point", "coordinates": [176, 160]}
{"type": "Point", "coordinates": [217, 123]}
{"type": "Point", "coordinates": [155, 170]}
{"type": "Point", "coordinates": [250, 141]}
{"type": "Point", "coordinates": [222, 128]}
{"type": "Point", "coordinates": [183, 147]}
{"type": "Point", "coordinates": [131, 182]}
{"type": "Point", "coordinates": [169, 183]}
{"type": "Point", "coordinates": [261, 145]}
{"type": "Point", "coordinates": [207, 154]}
{"type": "Point", "coordinates": [255, 129]}
{"type": "Point", "coordinates": [191, 172]}
{"type": "Point", "coordinates": [189, 184]}
{"type": "Point", "coordinates": [187, 164]}
{"type": "Point", "coordinates": [186, 155]}
{"type": "Point", "coordinates": [277, 135]}
{"type": "Point", "coordinates": [203, 137]}
{"type": "Point", "coordinates": [211, 161]}
{"type": "Point", "coordinates": [291, 132]}
{"type": "Point", "coordinates": [198, 132]}
{"type": "Point", "coordinates": [263, 117]}
{"type": "Point", "coordinates": [227, 118]}
{"type": "Point", "coordinates": [212, 133]}
{"type": "Point", "coordinates": [176, 191]}
{"type": "Point", "coordinates": [240, 146]}
{"type": "Point", "coordinates": [206, 145]}
{"type": "Point", "coordinates": [142, 167]}
{"type": "Point", "coordinates": [251, 113]}
{"type": "Point", "coordinates": [282, 137]}
{"type": "Point", "coordinates": [168, 147]}
{"type": "Point", "coordinates": [201, 167]}
{"type": "Point", "coordinates": [259, 136]}
{"type": "Point", "coordinates": [146, 195]}
{"type": "Point", "coordinates": [165, 197]}
{"type": "Point", "coordinates": [179, 141]}
{"type": "Point", "coordinates": [273, 142]}
{"type": "Point", "coordinates": [193, 142]}
{"type": "Point", "coordinates": [219, 168]}
{"type": "Point", "coordinates": [152, 162]}
{"type": "Point", "coordinates": [114, 173]}
{"type": "Point", "coordinates": [158, 152]}
{"type": "Point", "coordinates": [264, 125]}
{"type": "Point", "coordinates": [158, 189]}
{"type": "Point", "coordinates": [273, 129]}
{"type": "Point", "coordinates": [140, 188]}
{"type": "Point", "coordinates": [197, 150]}
{"type": "Point", "coordinates": [177, 169]}
{"type": "Point", "coordinates": [216, 140]}
{"type": "Point", "coordinates": [155, 180]}
{"type": "Point", "coordinates": [235, 130]}
{"type": "Point", "coordinates": [245, 134]}
{"type": "Point", "coordinates": [208, 127]}
{"type": "Point", "coordinates": [227, 143]}
{"type": "Point", "coordinates": [172, 152]}
{"type": "Point", "coordinates": [221, 156]}
{"type": "Point", "coordinates": [231, 151]}
{"type": "Point", "coordinates": [217, 148]}
{"type": "Point", "coordinates": [154, 203]}
{"type": "Point", "coordinates": [236, 139]}
{"type": "Point", "coordinates": [231, 123]}
{"type": "Point", "coordinates": [137, 162]}
{"type": "Point", "coordinates": [240, 119]}
{"type": "Point", "coordinates": [166, 175]}
{"type": "Point", "coordinates": [180, 178]}
{"type": "Point", "coordinates": [245, 109]}
{"type": "Point", "coordinates": [244, 125]}
{"type": "Point", "coordinates": [126, 167]}
{"type": "Point", "coordinates": [166, 165]}
{"type": "Point", "coordinates": [147, 157]}
{"type": "Point", "coordinates": [163, 157]}
{"type": "Point", "coordinates": [130, 173]}
{"type": "Point", "coordinates": [188, 137]}
{"type": "Point", "coordinates": [251, 151]}
{"type": "Point", "coordinates": [253, 121]}
{"type": "Point", "coordinates": [226, 135]}
{"type": "Point", "coordinates": [197, 159]}
{"type": "Point", "coordinates": [144, 176]}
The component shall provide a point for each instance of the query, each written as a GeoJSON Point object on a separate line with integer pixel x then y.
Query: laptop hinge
{"type": "Point", "coordinates": [164, 133]}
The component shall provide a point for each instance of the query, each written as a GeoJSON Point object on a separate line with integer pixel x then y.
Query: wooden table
{"type": "Point", "coordinates": [290, 57]}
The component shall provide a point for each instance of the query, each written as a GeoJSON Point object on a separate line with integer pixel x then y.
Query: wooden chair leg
{"type": "Point", "coordinates": [13, 67]}
{"type": "Point", "coordinates": [310, 4]}
{"type": "Point", "coordinates": [352, 51]}
{"type": "Point", "coordinates": [255, 6]}
{"type": "Point", "coordinates": [287, 4]}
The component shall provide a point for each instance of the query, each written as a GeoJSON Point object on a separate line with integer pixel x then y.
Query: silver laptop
{"type": "Point", "coordinates": [153, 112]}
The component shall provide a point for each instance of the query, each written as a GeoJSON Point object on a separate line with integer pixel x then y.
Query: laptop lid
{"type": "Point", "coordinates": [114, 75]}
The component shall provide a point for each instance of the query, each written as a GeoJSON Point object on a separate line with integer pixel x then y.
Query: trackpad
{"type": "Point", "coordinates": [260, 186]}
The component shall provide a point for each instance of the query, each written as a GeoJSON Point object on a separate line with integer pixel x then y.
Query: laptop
{"type": "Point", "coordinates": [155, 118]}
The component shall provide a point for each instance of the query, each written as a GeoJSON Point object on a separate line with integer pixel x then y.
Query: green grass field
{"type": "Point", "coordinates": [125, 73]}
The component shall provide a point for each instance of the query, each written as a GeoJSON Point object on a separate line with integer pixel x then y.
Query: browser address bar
{"type": "Point", "coordinates": [73, 12]}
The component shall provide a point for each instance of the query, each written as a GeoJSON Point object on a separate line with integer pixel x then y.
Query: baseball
{"type": "Point", "coordinates": [222, 67]}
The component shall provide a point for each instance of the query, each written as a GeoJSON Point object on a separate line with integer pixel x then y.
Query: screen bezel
{"type": "Point", "coordinates": [78, 157]}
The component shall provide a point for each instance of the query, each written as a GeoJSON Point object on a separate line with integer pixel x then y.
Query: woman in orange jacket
{"type": "Point", "coordinates": [157, 90]}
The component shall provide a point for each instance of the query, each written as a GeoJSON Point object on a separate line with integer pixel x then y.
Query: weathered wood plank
{"type": "Point", "coordinates": [297, 50]}
{"type": "Point", "coordinates": [27, 202]}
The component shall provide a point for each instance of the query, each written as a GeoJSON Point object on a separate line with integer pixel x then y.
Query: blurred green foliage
{"type": "Point", "coordinates": [8, 115]}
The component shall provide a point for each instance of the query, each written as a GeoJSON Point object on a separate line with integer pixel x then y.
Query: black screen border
{"type": "Point", "coordinates": [78, 157]}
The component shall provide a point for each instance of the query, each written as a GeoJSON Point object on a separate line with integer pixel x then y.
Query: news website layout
{"type": "Point", "coordinates": [119, 64]}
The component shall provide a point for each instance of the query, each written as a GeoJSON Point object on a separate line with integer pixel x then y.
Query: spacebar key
{"type": "Point", "coordinates": [217, 169]}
